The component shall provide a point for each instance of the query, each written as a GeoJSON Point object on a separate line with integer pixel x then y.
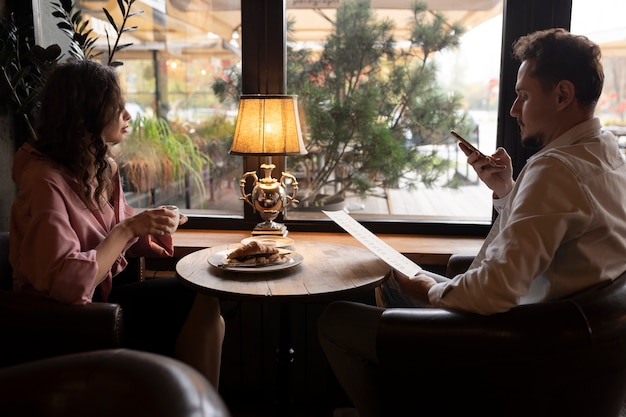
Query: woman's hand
{"type": "Point", "coordinates": [496, 171]}
{"type": "Point", "coordinates": [157, 222]}
{"type": "Point", "coordinates": [182, 219]}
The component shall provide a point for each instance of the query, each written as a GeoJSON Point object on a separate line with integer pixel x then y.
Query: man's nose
{"type": "Point", "coordinates": [513, 110]}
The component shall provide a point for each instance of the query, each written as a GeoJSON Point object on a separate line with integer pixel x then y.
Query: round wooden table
{"type": "Point", "coordinates": [328, 271]}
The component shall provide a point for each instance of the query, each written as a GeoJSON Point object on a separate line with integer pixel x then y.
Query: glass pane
{"type": "Point", "coordinates": [404, 162]}
{"type": "Point", "coordinates": [380, 90]}
{"type": "Point", "coordinates": [177, 152]}
{"type": "Point", "coordinates": [603, 22]}
{"type": "Point", "coordinates": [397, 158]}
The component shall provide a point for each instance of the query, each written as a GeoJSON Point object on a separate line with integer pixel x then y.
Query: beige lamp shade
{"type": "Point", "coordinates": [268, 125]}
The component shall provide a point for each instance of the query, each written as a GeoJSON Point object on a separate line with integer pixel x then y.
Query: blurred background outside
{"type": "Point", "coordinates": [192, 46]}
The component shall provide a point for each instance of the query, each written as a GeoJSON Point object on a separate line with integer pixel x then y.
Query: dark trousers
{"type": "Point", "coordinates": [153, 313]}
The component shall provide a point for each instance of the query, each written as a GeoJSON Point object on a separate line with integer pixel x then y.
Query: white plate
{"type": "Point", "coordinates": [278, 241]}
{"type": "Point", "coordinates": [218, 260]}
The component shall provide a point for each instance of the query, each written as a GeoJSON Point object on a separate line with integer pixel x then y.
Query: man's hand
{"type": "Point", "coordinates": [498, 178]}
{"type": "Point", "coordinates": [416, 288]}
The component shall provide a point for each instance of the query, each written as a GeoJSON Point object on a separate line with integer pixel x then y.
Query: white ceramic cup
{"type": "Point", "coordinates": [176, 210]}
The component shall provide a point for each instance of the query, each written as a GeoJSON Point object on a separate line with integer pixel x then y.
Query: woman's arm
{"type": "Point", "coordinates": [149, 222]}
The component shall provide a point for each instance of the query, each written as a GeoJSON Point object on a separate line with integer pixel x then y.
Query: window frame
{"type": "Point", "coordinates": [264, 71]}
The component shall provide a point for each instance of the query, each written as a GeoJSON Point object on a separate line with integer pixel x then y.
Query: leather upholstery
{"type": "Point", "coordinates": [58, 360]}
{"type": "Point", "coordinates": [119, 382]}
{"type": "Point", "coordinates": [561, 358]}
{"type": "Point", "coordinates": [458, 263]}
{"type": "Point", "coordinates": [6, 280]}
{"type": "Point", "coordinates": [33, 327]}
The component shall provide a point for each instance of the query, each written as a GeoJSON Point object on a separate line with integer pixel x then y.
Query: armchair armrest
{"type": "Point", "coordinates": [118, 382]}
{"type": "Point", "coordinates": [440, 332]}
{"type": "Point", "coordinates": [458, 263]}
{"type": "Point", "coordinates": [33, 327]}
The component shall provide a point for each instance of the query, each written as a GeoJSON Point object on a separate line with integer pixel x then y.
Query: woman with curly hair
{"type": "Point", "coordinates": [71, 229]}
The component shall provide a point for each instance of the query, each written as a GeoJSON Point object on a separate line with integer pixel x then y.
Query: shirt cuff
{"type": "Point", "coordinates": [436, 293]}
{"type": "Point", "coordinates": [499, 203]}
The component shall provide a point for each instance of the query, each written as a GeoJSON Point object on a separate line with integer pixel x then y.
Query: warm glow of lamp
{"type": "Point", "coordinates": [268, 125]}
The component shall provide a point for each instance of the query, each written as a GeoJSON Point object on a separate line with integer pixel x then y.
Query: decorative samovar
{"type": "Point", "coordinates": [269, 198]}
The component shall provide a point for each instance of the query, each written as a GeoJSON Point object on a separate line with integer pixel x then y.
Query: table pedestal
{"type": "Point", "coordinates": [285, 356]}
{"type": "Point", "coordinates": [328, 272]}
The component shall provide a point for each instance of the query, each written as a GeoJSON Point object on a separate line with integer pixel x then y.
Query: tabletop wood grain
{"type": "Point", "coordinates": [327, 271]}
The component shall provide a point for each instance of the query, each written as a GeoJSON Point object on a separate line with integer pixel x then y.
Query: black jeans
{"type": "Point", "coordinates": [153, 313]}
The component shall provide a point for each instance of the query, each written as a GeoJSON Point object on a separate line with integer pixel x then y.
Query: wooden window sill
{"type": "Point", "coordinates": [422, 249]}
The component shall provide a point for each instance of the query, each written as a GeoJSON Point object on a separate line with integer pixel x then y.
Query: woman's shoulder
{"type": "Point", "coordinates": [32, 168]}
{"type": "Point", "coordinates": [46, 170]}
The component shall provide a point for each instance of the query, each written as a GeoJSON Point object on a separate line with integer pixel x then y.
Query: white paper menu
{"type": "Point", "coordinates": [385, 252]}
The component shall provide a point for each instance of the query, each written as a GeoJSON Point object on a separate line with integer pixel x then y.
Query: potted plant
{"type": "Point", "coordinates": [24, 64]}
{"type": "Point", "coordinates": [214, 138]}
{"type": "Point", "coordinates": [154, 156]}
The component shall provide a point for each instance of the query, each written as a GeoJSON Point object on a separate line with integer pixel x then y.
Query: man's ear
{"type": "Point", "coordinates": [566, 93]}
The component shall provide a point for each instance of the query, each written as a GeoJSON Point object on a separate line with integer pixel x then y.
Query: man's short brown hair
{"type": "Point", "coordinates": [559, 55]}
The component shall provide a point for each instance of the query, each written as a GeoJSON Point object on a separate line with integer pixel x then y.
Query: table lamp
{"type": "Point", "coordinates": [267, 125]}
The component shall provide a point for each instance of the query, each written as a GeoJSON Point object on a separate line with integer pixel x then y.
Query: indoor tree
{"type": "Point", "coordinates": [364, 96]}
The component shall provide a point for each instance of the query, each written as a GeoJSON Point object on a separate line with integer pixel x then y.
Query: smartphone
{"type": "Point", "coordinates": [471, 147]}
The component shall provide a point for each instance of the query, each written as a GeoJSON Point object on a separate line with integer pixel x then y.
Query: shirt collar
{"type": "Point", "coordinates": [586, 129]}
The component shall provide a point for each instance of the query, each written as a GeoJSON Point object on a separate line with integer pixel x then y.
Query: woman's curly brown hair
{"type": "Point", "coordinates": [79, 100]}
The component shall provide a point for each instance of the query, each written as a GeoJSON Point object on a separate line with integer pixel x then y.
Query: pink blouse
{"type": "Point", "coordinates": [53, 235]}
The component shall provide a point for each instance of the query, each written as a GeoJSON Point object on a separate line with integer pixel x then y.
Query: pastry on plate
{"type": "Point", "coordinates": [253, 253]}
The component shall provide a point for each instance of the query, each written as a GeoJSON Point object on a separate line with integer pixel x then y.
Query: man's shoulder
{"type": "Point", "coordinates": [584, 158]}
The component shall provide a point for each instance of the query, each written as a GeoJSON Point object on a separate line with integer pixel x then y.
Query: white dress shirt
{"type": "Point", "coordinates": [561, 229]}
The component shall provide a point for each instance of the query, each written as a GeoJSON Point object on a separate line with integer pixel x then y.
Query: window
{"type": "Point", "coordinates": [609, 31]}
{"type": "Point", "coordinates": [452, 191]}
{"type": "Point", "coordinates": [396, 157]}
{"type": "Point", "coordinates": [182, 49]}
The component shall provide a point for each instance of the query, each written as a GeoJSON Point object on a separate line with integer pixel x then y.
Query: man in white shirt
{"type": "Point", "coordinates": [561, 226]}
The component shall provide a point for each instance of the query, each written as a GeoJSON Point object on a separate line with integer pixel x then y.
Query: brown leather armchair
{"type": "Point", "coordinates": [33, 327]}
{"type": "Point", "coordinates": [561, 358]}
{"type": "Point", "coordinates": [117, 382]}
{"type": "Point", "coordinates": [59, 360]}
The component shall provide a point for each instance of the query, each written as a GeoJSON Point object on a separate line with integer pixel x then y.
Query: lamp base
{"type": "Point", "coordinates": [270, 228]}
